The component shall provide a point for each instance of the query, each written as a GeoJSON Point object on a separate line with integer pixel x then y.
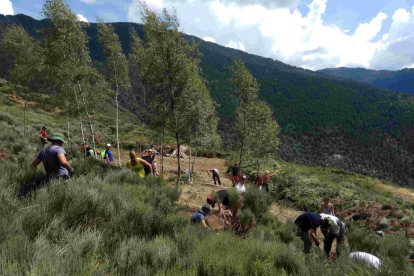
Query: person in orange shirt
{"type": "Point", "coordinates": [265, 180]}
{"type": "Point", "coordinates": [43, 137]}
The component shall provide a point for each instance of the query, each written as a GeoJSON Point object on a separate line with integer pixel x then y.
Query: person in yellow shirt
{"type": "Point", "coordinates": [137, 164]}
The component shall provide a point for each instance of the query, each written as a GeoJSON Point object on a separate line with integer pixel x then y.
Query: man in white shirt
{"type": "Point", "coordinates": [240, 187]}
{"type": "Point", "coordinates": [216, 175]}
{"type": "Point", "coordinates": [335, 230]}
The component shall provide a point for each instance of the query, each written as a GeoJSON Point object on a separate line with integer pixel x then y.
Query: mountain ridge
{"type": "Point", "coordinates": [320, 115]}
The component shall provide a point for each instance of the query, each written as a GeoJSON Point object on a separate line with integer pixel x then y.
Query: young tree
{"type": "Point", "coordinates": [27, 59]}
{"type": "Point", "coordinates": [117, 67]}
{"type": "Point", "coordinates": [255, 126]}
{"type": "Point", "coordinates": [171, 66]}
{"type": "Point", "coordinates": [67, 59]}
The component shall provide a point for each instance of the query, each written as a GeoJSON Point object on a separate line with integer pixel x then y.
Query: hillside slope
{"type": "Point", "coordinates": [400, 80]}
{"type": "Point", "coordinates": [325, 121]}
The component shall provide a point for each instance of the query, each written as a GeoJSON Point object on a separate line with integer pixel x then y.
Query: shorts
{"type": "Point", "coordinates": [234, 177]}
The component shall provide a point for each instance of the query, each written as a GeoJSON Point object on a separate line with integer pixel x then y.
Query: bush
{"type": "Point", "coordinates": [257, 201]}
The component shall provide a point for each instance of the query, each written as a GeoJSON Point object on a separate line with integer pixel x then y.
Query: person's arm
{"type": "Point", "coordinates": [35, 163]}
{"type": "Point", "coordinates": [321, 210]}
{"type": "Point", "coordinates": [63, 161]}
{"type": "Point", "coordinates": [203, 222]}
{"type": "Point", "coordinates": [145, 163]}
{"type": "Point", "coordinates": [312, 234]}
{"type": "Point", "coordinates": [127, 165]}
{"type": "Point", "coordinates": [106, 157]}
{"type": "Point", "coordinates": [208, 172]}
{"type": "Point", "coordinates": [333, 211]}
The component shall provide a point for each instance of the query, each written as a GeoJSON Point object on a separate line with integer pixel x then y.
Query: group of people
{"type": "Point", "coordinates": [56, 166]}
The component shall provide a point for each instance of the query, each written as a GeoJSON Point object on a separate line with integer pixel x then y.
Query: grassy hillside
{"type": "Point", "coordinates": [321, 117]}
{"type": "Point", "coordinates": [108, 222]}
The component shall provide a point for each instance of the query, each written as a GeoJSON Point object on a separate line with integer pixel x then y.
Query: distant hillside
{"type": "Point", "coordinates": [400, 80]}
{"type": "Point", "coordinates": [325, 121]}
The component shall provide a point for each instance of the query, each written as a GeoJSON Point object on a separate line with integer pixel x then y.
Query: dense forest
{"type": "Point", "coordinates": [399, 80]}
{"type": "Point", "coordinates": [324, 120]}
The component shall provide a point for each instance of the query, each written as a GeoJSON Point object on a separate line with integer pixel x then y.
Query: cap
{"type": "Point", "coordinates": [108, 145]}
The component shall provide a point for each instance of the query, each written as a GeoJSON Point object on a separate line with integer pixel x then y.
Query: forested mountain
{"type": "Point", "coordinates": [325, 121]}
{"type": "Point", "coordinates": [400, 80]}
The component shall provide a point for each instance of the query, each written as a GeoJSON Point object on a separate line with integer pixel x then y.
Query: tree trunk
{"type": "Point", "coordinates": [80, 118]}
{"type": "Point", "coordinates": [25, 115]}
{"type": "Point", "coordinates": [117, 116]}
{"type": "Point", "coordinates": [162, 150]}
{"type": "Point", "coordinates": [117, 125]}
{"type": "Point", "coordinates": [242, 142]}
{"type": "Point", "coordinates": [67, 118]}
{"type": "Point", "coordinates": [178, 159]}
{"type": "Point", "coordinates": [89, 118]}
{"type": "Point", "coordinates": [189, 167]}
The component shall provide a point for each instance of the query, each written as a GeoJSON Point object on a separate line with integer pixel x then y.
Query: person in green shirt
{"type": "Point", "coordinates": [137, 164]}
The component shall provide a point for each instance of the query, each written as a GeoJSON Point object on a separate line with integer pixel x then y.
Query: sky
{"type": "Point", "coordinates": [312, 34]}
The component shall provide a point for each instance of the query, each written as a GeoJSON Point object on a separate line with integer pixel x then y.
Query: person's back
{"type": "Point", "coordinates": [197, 217]}
{"type": "Point", "coordinates": [49, 158]}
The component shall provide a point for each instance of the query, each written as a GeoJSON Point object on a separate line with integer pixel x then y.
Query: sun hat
{"type": "Point", "coordinates": [205, 209]}
{"type": "Point", "coordinates": [108, 145]}
{"type": "Point", "coordinates": [243, 177]}
{"type": "Point", "coordinates": [57, 137]}
{"type": "Point", "coordinates": [267, 172]}
{"type": "Point", "coordinates": [211, 201]}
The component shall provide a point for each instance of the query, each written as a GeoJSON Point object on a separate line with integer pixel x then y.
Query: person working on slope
{"type": "Point", "coordinates": [137, 164]}
{"type": "Point", "coordinates": [327, 207]}
{"type": "Point", "coordinates": [234, 173]}
{"type": "Point", "coordinates": [54, 159]}
{"type": "Point", "coordinates": [216, 175]}
{"type": "Point", "coordinates": [307, 224]}
{"type": "Point", "coordinates": [334, 229]}
{"type": "Point", "coordinates": [108, 155]}
{"type": "Point", "coordinates": [43, 137]}
{"type": "Point", "coordinates": [265, 180]}
{"type": "Point", "coordinates": [240, 187]}
{"type": "Point", "coordinates": [200, 215]}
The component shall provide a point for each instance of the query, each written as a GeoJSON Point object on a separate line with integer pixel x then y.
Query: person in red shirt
{"type": "Point", "coordinates": [265, 180]}
{"type": "Point", "coordinates": [43, 137]}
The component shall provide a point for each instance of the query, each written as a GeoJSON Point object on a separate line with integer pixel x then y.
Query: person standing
{"type": "Point", "coordinates": [334, 229]}
{"type": "Point", "coordinates": [240, 187]}
{"type": "Point", "coordinates": [265, 180]}
{"type": "Point", "coordinates": [54, 159]}
{"type": "Point", "coordinates": [137, 164]}
{"type": "Point", "coordinates": [43, 137]}
{"type": "Point", "coordinates": [307, 224]}
{"type": "Point", "coordinates": [234, 173]}
{"type": "Point", "coordinates": [327, 207]}
{"type": "Point", "coordinates": [216, 175]}
{"type": "Point", "coordinates": [108, 155]}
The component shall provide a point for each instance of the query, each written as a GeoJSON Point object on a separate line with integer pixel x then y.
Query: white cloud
{"type": "Point", "coordinates": [276, 29]}
{"type": "Point", "coordinates": [6, 7]}
{"type": "Point", "coordinates": [88, 1]}
{"type": "Point", "coordinates": [80, 17]}
{"type": "Point", "coordinates": [236, 45]}
{"type": "Point", "coordinates": [210, 39]}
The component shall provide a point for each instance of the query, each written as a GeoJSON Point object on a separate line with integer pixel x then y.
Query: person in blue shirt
{"type": "Point", "coordinates": [108, 155]}
{"type": "Point", "coordinates": [199, 216]}
{"type": "Point", "coordinates": [308, 222]}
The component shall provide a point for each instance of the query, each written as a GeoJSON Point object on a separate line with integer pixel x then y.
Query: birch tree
{"type": "Point", "coordinates": [67, 59]}
{"type": "Point", "coordinates": [27, 60]}
{"type": "Point", "coordinates": [256, 128]}
{"type": "Point", "coordinates": [117, 68]}
{"type": "Point", "coordinates": [170, 64]}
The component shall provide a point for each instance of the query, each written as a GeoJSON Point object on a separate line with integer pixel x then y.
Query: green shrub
{"type": "Point", "coordinates": [257, 201]}
{"type": "Point", "coordinates": [287, 232]}
{"type": "Point", "coordinates": [246, 217]}
{"type": "Point", "coordinates": [289, 263]}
